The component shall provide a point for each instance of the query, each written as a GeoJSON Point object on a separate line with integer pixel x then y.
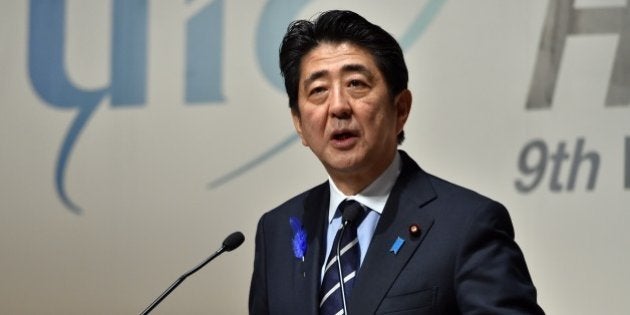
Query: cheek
{"type": "Point", "coordinates": [312, 129]}
{"type": "Point", "coordinates": [382, 122]}
{"type": "Point", "coordinates": [314, 119]}
{"type": "Point", "coordinates": [377, 117]}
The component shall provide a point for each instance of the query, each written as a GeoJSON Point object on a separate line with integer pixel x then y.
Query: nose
{"type": "Point", "coordinates": [339, 105]}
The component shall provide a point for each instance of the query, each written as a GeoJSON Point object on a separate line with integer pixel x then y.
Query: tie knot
{"type": "Point", "coordinates": [352, 211]}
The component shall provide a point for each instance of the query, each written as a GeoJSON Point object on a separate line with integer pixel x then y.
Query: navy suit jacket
{"type": "Point", "coordinates": [464, 261]}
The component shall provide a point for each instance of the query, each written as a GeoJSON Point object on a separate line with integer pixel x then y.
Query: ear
{"type": "Point", "coordinates": [297, 123]}
{"type": "Point", "coordinates": [403, 107]}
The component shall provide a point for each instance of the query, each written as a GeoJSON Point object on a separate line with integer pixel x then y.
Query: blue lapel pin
{"type": "Point", "coordinates": [397, 245]}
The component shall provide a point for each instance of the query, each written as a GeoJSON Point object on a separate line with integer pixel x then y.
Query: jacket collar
{"type": "Point", "coordinates": [381, 266]}
{"type": "Point", "coordinates": [307, 273]}
{"type": "Point", "coordinates": [411, 192]}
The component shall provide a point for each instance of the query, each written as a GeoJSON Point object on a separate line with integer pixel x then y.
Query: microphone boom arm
{"type": "Point", "coordinates": [233, 241]}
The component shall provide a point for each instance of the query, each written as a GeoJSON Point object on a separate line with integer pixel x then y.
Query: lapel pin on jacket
{"type": "Point", "coordinates": [299, 238]}
{"type": "Point", "coordinates": [398, 243]}
{"type": "Point", "coordinates": [414, 230]}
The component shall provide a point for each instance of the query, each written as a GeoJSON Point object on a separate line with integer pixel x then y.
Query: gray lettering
{"type": "Point", "coordinates": [578, 157]}
{"type": "Point", "coordinates": [563, 20]}
{"type": "Point", "coordinates": [557, 160]}
{"type": "Point", "coordinates": [537, 149]}
{"type": "Point", "coordinates": [535, 157]}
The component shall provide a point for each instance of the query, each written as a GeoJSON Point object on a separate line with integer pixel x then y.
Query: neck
{"type": "Point", "coordinates": [353, 182]}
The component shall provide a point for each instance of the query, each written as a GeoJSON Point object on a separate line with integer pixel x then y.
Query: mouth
{"type": "Point", "coordinates": [344, 138]}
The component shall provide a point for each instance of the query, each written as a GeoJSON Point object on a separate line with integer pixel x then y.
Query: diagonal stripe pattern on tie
{"type": "Point", "coordinates": [331, 302]}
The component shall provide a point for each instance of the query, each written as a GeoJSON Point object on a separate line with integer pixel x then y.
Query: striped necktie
{"type": "Point", "coordinates": [331, 300]}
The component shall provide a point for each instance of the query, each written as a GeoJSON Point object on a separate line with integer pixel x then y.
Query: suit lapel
{"type": "Point", "coordinates": [307, 274]}
{"type": "Point", "coordinates": [381, 266]}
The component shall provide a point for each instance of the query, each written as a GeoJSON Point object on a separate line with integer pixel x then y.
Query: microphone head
{"type": "Point", "coordinates": [233, 241]}
{"type": "Point", "coordinates": [351, 212]}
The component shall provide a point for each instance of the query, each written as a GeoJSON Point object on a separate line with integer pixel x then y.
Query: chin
{"type": "Point", "coordinates": [345, 165]}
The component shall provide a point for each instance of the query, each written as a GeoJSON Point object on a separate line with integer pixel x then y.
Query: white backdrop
{"type": "Point", "coordinates": [154, 183]}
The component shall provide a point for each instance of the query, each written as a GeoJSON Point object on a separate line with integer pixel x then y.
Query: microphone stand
{"type": "Point", "coordinates": [341, 282]}
{"type": "Point", "coordinates": [349, 216]}
{"type": "Point", "coordinates": [181, 279]}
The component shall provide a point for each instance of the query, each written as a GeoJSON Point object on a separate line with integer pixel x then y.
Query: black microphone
{"type": "Point", "coordinates": [349, 215]}
{"type": "Point", "coordinates": [233, 241]}
{"type": "Point", "coordinates": [230, 243]}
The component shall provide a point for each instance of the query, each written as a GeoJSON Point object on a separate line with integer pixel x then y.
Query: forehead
{"type": "Point", "coordinates": [334, 57]}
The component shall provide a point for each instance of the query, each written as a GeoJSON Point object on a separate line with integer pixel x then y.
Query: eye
{"type": "Point", "coordinates": [317, 90]}
{"type": "Point", "coordinates": [356, 83]}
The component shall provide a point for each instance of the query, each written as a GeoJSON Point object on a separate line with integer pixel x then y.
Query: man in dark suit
{"type": "Point", "coordinates": [402, 240]}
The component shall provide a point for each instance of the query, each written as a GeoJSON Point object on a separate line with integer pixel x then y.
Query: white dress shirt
{"type": "Point", "coordinates": [373, 198]}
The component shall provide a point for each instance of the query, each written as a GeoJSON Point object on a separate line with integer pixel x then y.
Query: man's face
{"type": "Point", "coordinates": [346, 115]}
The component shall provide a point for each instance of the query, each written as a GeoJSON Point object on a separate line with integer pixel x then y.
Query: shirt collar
{"type": "Point", "coordinates": [374, 196]}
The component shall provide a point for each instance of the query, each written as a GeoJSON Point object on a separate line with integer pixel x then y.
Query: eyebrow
{"type": "Point", "coordinates": [358, 68]}
{"type": "Point", "coordinates": [345, 69]}
{"type": "Point", "coordinates": [314, 76]}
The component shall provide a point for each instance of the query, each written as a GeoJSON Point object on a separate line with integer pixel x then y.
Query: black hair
{"type": "Point", "coordinates": [339, 26]}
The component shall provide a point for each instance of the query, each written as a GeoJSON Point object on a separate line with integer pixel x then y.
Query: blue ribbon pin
{"type": "Point", "coordinates": [397, 245]}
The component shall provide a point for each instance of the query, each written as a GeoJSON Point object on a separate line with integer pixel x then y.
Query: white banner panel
{"type": "Point", "coordinates": [135, 135]}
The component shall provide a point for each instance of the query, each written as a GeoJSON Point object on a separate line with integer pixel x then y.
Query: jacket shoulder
{"type": "Point", "coordinates": [295, 205]}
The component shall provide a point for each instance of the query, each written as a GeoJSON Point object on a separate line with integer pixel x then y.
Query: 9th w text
{"type": "Point", "coordinates": [560, 168]}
